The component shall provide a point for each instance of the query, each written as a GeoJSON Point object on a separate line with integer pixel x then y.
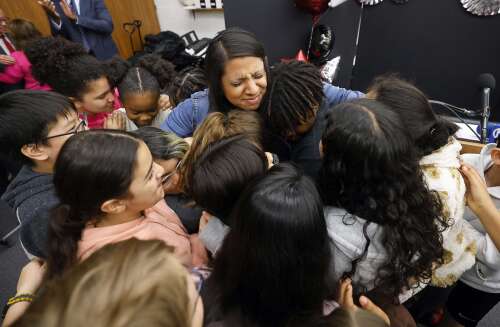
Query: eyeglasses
{"type": "Point", "coordinates": [79, 128]}
{"type": "Point", "coordinates": [167, 177]}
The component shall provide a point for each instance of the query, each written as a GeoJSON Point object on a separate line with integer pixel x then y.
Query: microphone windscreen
{"type": "Point", "coordinates": [486, 81]}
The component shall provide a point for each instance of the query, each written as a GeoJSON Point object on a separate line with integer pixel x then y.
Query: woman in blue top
{"type": "Point", "coordinates": [238, 77]}
{"type": "Point", "coordinates": [237, 72]}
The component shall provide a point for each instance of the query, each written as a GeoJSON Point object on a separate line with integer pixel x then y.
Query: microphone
{"type": "Point", "coordinates": [486, 83]}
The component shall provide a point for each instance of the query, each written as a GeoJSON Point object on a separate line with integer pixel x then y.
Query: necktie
{"type": "Point", "coordinates": [85, 42]}
{"type": "Point", "coordinates": [8, 44]}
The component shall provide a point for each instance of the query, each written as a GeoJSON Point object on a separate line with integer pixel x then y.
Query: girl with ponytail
{"type": "Point", "coordinates": [438, 152]}
{"type": "Point", "coordinates": [110, 190]}
{"type": "Point", "coordinates": [141, 90]}
{"type": "Point", "coordinates": [383, 221]}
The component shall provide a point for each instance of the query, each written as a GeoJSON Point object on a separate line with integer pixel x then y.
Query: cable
{"type": "Point", "coordinates": [450, 108]}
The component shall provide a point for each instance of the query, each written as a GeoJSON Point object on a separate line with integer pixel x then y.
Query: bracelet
{"type": "Point", "coordinates": [25, 297]}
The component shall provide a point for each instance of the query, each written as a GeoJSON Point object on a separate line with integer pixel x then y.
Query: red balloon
{"type": "Point", "coordinates": [314, 7]}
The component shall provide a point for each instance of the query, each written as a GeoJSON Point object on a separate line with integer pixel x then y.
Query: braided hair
{"type": "Point", "coordinates": [150, 73]}
{"type": "Point", "coordinates": [187, 82]}
{"type": "Point", "coordinates": [296, 92]}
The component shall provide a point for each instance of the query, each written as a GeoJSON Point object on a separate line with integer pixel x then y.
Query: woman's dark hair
{"type": "Point", "coordinates": [280, 231]}
{"type": "Point", "coordinates": [427, 130]}
{"type": "Point", "coordinates": [222, 171]}
{"type": "Point", "coordinates": [26, 117]}
{"type": "Point", "coordinates": [188, 81]}
{"type": "Point", "coordinates": [93, 167]}
{"type": "Point", "coordinates": [23, 32]}
{"type": "Point", "coordinates": [296, 92]}
{"type": "Point", "coordinates": [64, 65]}
{"type": "Point", "coordinates": [370, 169]}
{"type": "Point", "coordinates": [231, 43]}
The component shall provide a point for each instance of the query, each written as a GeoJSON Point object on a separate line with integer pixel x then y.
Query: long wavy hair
{"type": "Point", "coordinates": [370, 168]}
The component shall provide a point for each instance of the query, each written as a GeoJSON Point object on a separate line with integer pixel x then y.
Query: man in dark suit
{"type": "Point", "coordinates": [84, 21]}
{"type": "Point", "coordinates": [6, 48]}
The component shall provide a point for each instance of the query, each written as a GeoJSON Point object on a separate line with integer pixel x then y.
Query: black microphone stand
{"type": "Point", "coordinates": [485, 116]}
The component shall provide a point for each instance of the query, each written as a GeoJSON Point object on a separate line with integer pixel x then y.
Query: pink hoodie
{"type": "Point", "coordinates": [21, 70]}
{"type": "Point", "coordinates": [159, 223]}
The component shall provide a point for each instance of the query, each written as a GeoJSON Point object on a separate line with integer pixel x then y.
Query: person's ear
{"type": "Point", "coordinates": [77, 103]}
{"type": "Point", "coordinates": [114, 206]}
{"type": "Point", "coordinates": [495, 156]}
{"type": "Point", "coordinates": [34, 152]}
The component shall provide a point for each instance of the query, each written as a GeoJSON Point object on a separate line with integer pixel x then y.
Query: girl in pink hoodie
{"type": "Point", "coordinates": [110, 190]}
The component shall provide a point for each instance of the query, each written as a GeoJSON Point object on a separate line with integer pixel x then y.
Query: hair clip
{"type": "Point", "coordinates": [432, 130]}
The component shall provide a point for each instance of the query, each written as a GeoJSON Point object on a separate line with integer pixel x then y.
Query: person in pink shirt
{"type": "Point", "coordinates": [70, 70]}
{"type": "Point", "coordinates": [110, 190]}
{"type": "Point", "coordinates": [23, 32]}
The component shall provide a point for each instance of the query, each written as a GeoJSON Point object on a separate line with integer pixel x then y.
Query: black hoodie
{"type": "Point", "coordinates": [32, 195]}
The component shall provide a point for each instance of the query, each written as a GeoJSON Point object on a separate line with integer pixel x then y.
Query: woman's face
{"type": "Point", "coordinates": [97, 98]}
{"type": "Point", "coordinates": [170, 175]}
{"type": "Point", "coordinates": [141, 108]}
{"type": "Point", "coordinates": [146, 188]}
{"type": "Point", "coordinates": [244, 82]}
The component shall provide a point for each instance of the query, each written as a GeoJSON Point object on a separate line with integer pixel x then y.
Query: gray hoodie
{"type": "Point", "coordinates": [32, 195]}
{"type": "Point", "coordinates": [485, 275]}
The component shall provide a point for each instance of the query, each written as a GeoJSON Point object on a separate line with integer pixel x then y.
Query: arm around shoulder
{"type": "Point", "coordinates": [335, 95]}
{"type": "Point", "coordinates": [180, 120]}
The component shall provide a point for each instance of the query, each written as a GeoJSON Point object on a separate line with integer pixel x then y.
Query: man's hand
{"type": "Point", "coordinates": [7, 60]}
{"type": "Point", "coordinates": [50, 9]}
{"type": "Point", "coordinates": [67, 10]}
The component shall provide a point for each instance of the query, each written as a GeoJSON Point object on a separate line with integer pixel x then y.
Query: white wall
{"type": "Point", "coordinates": [173, 17]}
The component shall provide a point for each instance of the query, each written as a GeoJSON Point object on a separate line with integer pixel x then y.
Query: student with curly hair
{"type": "Point", "coordinates": [439, 155]}
{"type": "Point", "coordinates": [385, 225]}
{"type": "Point", "coordinates": [140, 88]}
{"type": "Point", "coordinates": [68, 69]}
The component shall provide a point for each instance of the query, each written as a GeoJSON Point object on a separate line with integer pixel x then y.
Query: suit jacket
{"type": "Point", "coordinates": [94, 21]}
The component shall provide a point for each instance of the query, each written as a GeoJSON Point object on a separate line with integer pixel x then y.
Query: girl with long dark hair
{"type": "Point", "coordinates": [383, 221]}
{"type": "Point", "coordinates": [439, 154]}
{"type": "Point", "coordinates": [272, 269]}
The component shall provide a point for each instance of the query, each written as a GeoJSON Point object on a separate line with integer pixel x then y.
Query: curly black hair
{"type": "Point", "coordinates": [370, 168]}
{"type": "Point", "coordinates": [188, 81]}
{"type": "Point", "coordinates": [150, 73]}
{"type": "Point", "coordinates": [64, 65]}
{"type": "Point", "coordinates": [296, 91]}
